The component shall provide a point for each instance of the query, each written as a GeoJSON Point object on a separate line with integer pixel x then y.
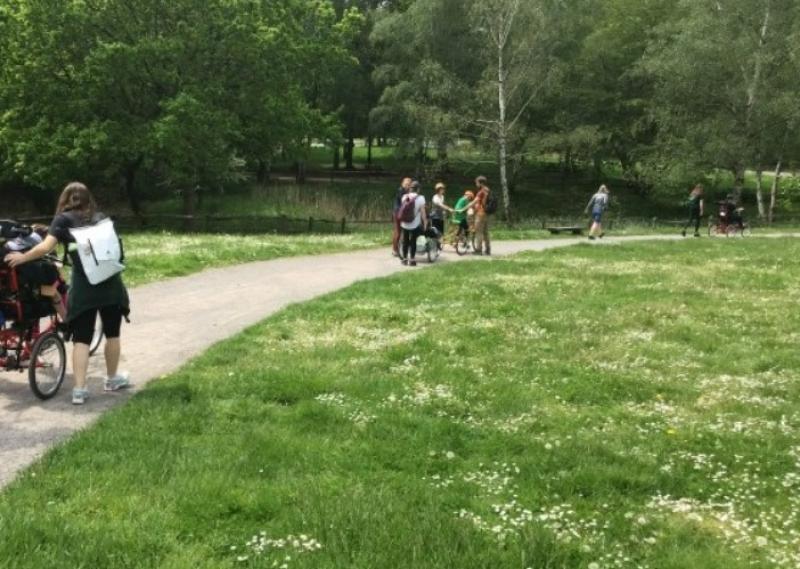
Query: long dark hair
{"type": "Point", "coordinates": [77, 198]}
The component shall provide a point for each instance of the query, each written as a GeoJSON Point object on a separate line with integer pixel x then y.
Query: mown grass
{"type": "Point", "coordinates": [617, 406]}
{"type": "Point", "coordinates": [156, 256]}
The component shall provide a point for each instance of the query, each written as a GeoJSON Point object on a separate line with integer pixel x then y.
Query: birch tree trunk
{"type": "Point", "coordinates": [738, 181]}
{"type": "Point", "coordinates": [760, 193]}
{"type": "Point", "coordinates": [752, 97]}
{"type": "Point", "coordinates": [773, 193]}
{"type": "Point", "coordinates": [502, 134]}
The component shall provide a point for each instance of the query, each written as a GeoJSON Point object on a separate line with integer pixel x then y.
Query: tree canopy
{"type": "Point", "coordinates": [145, 95]}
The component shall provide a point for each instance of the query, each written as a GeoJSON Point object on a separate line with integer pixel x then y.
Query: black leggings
{"type": "Point", "coordinates": [82, 326]}
{"type": "Point", "coordinates": [410, 241]}
{"type": "Point", "coordinates": [694, 216]}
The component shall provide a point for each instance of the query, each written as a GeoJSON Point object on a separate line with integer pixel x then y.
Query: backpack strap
{"type": "Point", "coordinates": [65, 260]}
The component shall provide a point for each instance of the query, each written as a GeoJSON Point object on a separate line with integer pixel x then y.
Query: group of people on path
{"type": "Point", "coordinates": [470, 215]}
{"type": "Point", "coordinates": [412, 217]}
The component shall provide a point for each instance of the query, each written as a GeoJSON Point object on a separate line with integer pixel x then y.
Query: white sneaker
{"type": "Point", "coordinates": [119, 381]}
{"type": "Point", "coordinates": [79, 396]}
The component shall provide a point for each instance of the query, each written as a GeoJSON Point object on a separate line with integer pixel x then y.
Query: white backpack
{"type": "Point", "coordinates": [99, 249]}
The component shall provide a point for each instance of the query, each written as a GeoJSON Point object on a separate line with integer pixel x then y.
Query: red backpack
{"type": "Point", "coordinates": [408, 208]}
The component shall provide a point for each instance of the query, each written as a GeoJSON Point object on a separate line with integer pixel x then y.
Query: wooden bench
{"type": "Point", "coordinates": [574, 229]}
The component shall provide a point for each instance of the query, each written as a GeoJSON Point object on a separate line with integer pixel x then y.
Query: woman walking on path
{"type": "Point", "coordinates": [413, 221]}
{"type": "Point", "coordinates": [598, 205]}
{"type": "Point", "coordinates": [76, 208]}
{"type": "Point", "coordinates": [439, 210]}
{"type": "Point", "coordinates": [695, 203]}
{"type": "Point", "coordinates": [405, 185]}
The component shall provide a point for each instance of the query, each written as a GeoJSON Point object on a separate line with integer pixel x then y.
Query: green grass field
{"type": "Point", "coordinates": [156, 256]}
{"type": "Point", "coordinates": [596, 407]}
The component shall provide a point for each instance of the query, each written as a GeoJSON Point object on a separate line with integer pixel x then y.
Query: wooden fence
{"type": "Point", "coordinates": [284, 225]}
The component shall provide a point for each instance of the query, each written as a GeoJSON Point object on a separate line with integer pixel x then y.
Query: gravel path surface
{"type": "Point", "coordinates": [174, 320]}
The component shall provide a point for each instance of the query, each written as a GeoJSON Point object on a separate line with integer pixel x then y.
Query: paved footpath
{"type": "Point", "coordinates": [175, 320]}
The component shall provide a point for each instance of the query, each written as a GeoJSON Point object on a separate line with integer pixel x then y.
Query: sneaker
{"type": "Point", "coordinates": [119, 381]}
{"type": "Point", "coordinates": [412, 263]}
{"type": "Point", "coordinates": [697, 235]}
{"type": "Point", "coordinates": [79, 396]}
{"type": "Point", "coordinates": [404, 261]}
{"type": "Point", "coordinates": [602, 235]}
{"type": "Point", "coordinates": [477, 252]}
{"type": "Point", "coordinates": [591, 237]}
{"type": "Point", "coordinates": [683, 233]}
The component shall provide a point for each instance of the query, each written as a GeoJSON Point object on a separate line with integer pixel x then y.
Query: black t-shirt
{"type": "Point", "coordinates": [63, 222]}
{"type": "Point", "coordinates": [84, 296]}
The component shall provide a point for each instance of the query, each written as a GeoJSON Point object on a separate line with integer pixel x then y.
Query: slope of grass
{"type": "Point", "coordinates": [156, 256]}
{"type": "Point", "coordinates": [597, 407]}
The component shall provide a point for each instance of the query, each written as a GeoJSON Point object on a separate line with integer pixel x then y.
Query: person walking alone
{"type": "Point", "coordinates": [405, 185]}
{"type": "Point", "coordinates": [76, 208]}
{"type": "Point", "coordinates": [413, 221]}
{"type": "Point", "coordinates": [695, 203]}
{"type": "Point", "coordinates": [598, 205]}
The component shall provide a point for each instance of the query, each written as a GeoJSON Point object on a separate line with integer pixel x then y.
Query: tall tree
{"type": "Point", "coordinates": [427, 74]}
{"type": "Point", "coordinates": [716, 66]}
{"type": "Point", "coordinates": [100, 89]}
{"type": "Point", "coordinates": [517, 56]}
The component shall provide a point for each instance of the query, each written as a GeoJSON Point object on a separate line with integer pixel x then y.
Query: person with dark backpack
{"type": "Point", "coordinates": [413, 221]}
{"type": "Point", "coordinates": [491, 205]}
{"type": "Point", "coordinates": [485, 204]}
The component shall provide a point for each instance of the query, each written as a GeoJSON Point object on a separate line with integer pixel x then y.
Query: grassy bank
{"type": "Point", "coordinates": [156, 256]}
{"type": "Point", "coordinates": [597, 407]}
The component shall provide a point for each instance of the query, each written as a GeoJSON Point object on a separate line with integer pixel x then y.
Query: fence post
{"type": "Point", "coordinates": [344, 225]}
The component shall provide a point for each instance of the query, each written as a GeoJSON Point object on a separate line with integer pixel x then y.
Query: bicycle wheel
{"type": "Point", "coordinates": [47, 366]}
{"type": "Point", "coordinates": [462, 245]}
{"type": "Point", "coordinates": [97, 336]}
{"type": "Point", "coordinates": [734, 231]}
{"type": "Point", "coordinates": [432, 250]}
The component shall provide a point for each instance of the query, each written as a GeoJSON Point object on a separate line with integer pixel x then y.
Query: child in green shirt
{"type": "Point", "coordinates": [460, 215]}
